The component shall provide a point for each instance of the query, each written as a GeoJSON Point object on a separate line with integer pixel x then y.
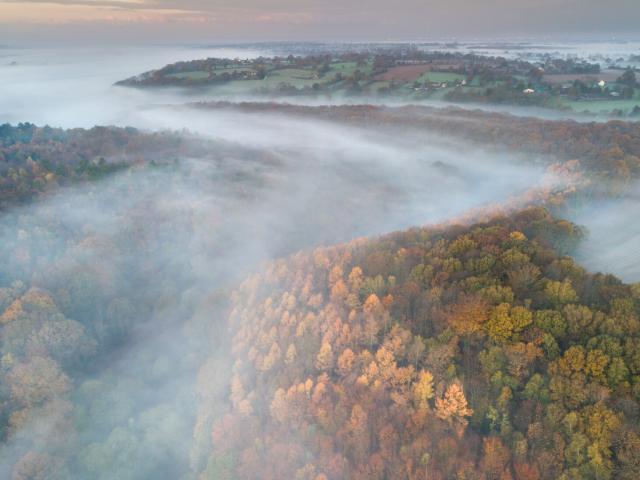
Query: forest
{"type": "Point", "coordinates": [36, 160]}
{"type": "Point", "coordinates": [475, 349]}
{"type": "Point", "coordinates": [319, 240]}
{"type": "Point", "coordinates": [479, 352]}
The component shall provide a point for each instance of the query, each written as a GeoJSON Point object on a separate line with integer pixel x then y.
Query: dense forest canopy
{"type": "Point", "coordinates": [470, 352]}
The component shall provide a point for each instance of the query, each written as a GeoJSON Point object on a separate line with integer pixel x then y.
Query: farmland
{"type": "Point", "coordinates": [411, 76]}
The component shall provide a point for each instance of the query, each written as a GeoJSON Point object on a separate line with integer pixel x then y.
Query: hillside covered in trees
{"type": "Point", "coordinates": [35, 161]}
{"type": "Point", "coordinates": [479, 349]}
{"type": "Point", "coordinates": [480, 352]}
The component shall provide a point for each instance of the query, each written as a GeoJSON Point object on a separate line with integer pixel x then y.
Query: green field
{"type": "Point", "coordinates": [349, 68]}
{"type": "Point", "coordinates": [199, 75]}
{"type": "Point", "coordinates": [439, 77]}
{"type": "Point", "coordinates": [374, 86]}
{"type": "Point", "coordinates": [602, 106]}
{"type": "Point", "coordinates": [219, 70]}
{"type": "Point", "coordinates": [297, 77]}
{"type": "Point", "coordinates": [294, 73]}
{"type": "Point", "coordinates": [203, 75]}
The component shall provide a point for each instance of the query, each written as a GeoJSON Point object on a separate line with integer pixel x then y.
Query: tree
{"type": "Point", "coordinates": [453, 405]}
{"type": "Point", "coordinates": [560, 293]}
{"type": "Point", "coordinates": [596, 365]}
{"type": "Point", "coordinates": [506, 322]}
{"type": "Point", "coordinates": [627, 454]}
{"type": "Point", "coordinates": [423, 390]}
{"type": "Point", "coordinates": [63, 339]}
{"type": "Point", "coordinates": [38, 380]}
{"type": "Point", "coordinates": [496, 458]}
{"type": "Point", "coordinates": [324, 359]}
{"type": "Point", "coordinates": [468, 315]}
{"type": "Point", "coordinates": [345, 362]}
{"type": "Point", "coordinates": [628, 78]}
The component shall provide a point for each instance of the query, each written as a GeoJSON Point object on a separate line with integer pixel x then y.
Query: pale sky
{"type": "Point", "coordinates": [239, 20]}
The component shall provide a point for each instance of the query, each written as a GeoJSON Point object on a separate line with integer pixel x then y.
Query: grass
{"type": "Point", "coordinates": [293, 76]}
{"type": "Point", "coordinates": [198, 75]}
{"type": "Point", "coordinates": [439, 77]}
{"type": "Point", "coordinates": [602, 106]}
{"type": "Point", "coordinates": [475, 82]}
{"type": "Point", "coordinates": [233, 69]}
{"type": "Point", "coordinates": [374, 86]}
{"type": "Point", "coordinates": [203, 75]}
{"type": "Point", "coordinates": [295, 73]}
{"type": "Point", "coordinates": [348, 68]}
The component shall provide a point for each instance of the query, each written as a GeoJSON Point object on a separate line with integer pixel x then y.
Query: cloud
{"type": "Point", "coordinates": [93, 3]}
{"type": "Point", "coordinates": [373, 19]}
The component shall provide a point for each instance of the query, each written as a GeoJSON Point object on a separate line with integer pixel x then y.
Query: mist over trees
{"type": "Point", "coordinates": [473, 351]}
{"type": "Point", "coordinates": [215, 294]}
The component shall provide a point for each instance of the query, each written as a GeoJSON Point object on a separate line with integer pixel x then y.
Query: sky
{"type": "Point", "coordinates": [167, 21]}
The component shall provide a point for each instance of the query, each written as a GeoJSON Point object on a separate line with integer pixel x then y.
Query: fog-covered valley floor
{"type": "Point", "coordinates": [144, 259]}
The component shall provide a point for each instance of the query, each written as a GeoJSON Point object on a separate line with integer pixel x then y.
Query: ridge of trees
{"type": "Point", "coordinates": [478, 352]}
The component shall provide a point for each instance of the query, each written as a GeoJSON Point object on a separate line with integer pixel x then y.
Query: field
{"type": "Point", "coordinates": [440, 77]}
{"type": "Point", "coordinates": [373, 87]}
{"type": "Point", "coordinates": [602, 106]}
{"type": "Point", "coordinates": [297, 77]}
{"type": "Point", "coordinates": [404, 73]}
{"type": "Point", "coordinates": [199, 75]}
{"type": "Point", "coordinates": [349, 68]}
{"type": "Point", "coordinates": [203, 75]}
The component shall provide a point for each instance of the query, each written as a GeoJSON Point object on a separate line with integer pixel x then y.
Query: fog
{"type": "Point", "coordinates": [147, 257]}
{"type": "Point", "coordinates": [74, 87]}
{"type": "Point", "coordinates": [613, 240]}
{"type": "Point", "coordinates": [175, 237]}
{"type": "Point", "coordinates": [620, 53]}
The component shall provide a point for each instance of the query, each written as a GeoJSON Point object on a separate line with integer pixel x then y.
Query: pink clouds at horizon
{"type": "Point", "coordinates": [315, 19]}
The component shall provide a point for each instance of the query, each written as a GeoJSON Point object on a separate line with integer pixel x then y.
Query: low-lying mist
{"type": "Point", "coordinates": [612, 244]}
{"type": "Point", "coordinates": [141, 264]}
{"type": "Point", "coordinates": [73, 87]}
{"type": "Point", "coordinates": [144, 260]}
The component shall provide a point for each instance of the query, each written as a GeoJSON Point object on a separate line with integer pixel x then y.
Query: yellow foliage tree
{"type": "Point", "coordinates": [423, 389]}
{"type": "Point", "coordinates": [453, 405]}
